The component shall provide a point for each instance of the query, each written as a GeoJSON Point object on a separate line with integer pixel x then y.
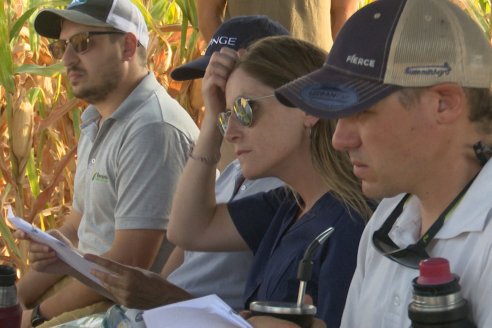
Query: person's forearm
{"type": "Point", "coordinates": [70, 227]}
{"type": "Point", "coordinates": [196, 221]}
{"type": "Point", "coordinates": [210, 14]}
{"type": "Point", "coordinates": [174, 261]}
{"type": "Point", "coordinates": [71, 297]}
{"type": "Point", "coordinates": [341, 10]}
{"type": "Point", "coordinates": [33, 285]}
{"type": "Point", "coordinates": [160, 293]}
{"type": "Point", "coordinates": [194, 200]}
{"type": "Point", "coordinates": [175, 294]}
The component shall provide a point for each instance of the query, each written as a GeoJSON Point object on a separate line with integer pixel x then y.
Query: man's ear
{"type": "Point", "coordinates": [130, 46]}
{"type": "Point", "coordinates": [451, 102]}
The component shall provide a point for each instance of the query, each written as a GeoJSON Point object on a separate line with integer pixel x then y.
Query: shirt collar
{"type": "Point", "coordinates": [470, 215]}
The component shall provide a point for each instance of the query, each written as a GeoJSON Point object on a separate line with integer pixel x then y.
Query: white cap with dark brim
{"type": "Point", "coordinates": [122, 15]}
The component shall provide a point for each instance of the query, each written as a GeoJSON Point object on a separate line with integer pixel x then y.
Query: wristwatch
{"type": "Point", "coordinates": [36, 317]}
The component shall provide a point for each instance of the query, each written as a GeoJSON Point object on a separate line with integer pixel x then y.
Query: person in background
{"type": "Point", "coordinates": [409, 81]}
{"type": "Point", "coordinates": [272, 140]}
{"type": "Point", "coordinates": [305, 19]}
{"type": "Point", "coordinates": [134, 143]}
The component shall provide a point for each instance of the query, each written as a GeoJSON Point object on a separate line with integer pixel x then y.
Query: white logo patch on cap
{"type": "Point", "coordinates": [75, 3]}
{"type": "Point", "coordinates": [354, 59]}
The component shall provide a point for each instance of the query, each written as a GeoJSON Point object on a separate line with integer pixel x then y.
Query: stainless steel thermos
{"type": "Point", "coordinates": [437, 300]}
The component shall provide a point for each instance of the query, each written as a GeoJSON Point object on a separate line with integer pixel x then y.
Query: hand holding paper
{"type": "Point", "coordinates": [65, 252]}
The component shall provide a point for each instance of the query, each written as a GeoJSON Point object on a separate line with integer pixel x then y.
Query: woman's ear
{"type": "Point", "coordinates": [451, 102]}
{"type": "Point", "coordinates": [241, 52]}
{"type": "Point", "coordinates": [310, 121]}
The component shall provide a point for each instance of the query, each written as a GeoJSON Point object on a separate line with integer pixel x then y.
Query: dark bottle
{"type": "Point", "coordinates": [10, 310]}
{"type": "Point", "coordinates": [437, 300]}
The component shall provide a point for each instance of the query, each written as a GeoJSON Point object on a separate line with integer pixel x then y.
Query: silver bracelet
{"type": "Point", "coordinates": [212, 161]}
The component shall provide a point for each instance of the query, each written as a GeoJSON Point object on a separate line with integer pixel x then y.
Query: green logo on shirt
{"type": "Point", "coordinates": [99, 177]}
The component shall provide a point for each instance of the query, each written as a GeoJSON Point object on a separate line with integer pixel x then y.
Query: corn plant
{"type": "Point", "coordinates": [40, 118]}
{"type": "Point", "coordinates": [480, 11]}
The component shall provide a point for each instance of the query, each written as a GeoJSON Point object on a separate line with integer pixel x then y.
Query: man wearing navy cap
{"type": "Point", "coordinates": [134, 142]}
{"type": "Point", "coordinates": [409, 82]}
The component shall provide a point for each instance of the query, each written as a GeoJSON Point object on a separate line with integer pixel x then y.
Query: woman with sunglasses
{"type": "Point", "coordinates": [272, 140]}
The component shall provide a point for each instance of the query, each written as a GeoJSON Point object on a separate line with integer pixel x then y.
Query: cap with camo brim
{"type": "Point", "coordinates": [122, 15]}
{"type": "Point", "coordinates": [388, 45]}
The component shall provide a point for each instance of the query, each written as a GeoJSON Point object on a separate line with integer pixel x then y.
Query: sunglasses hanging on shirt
{"type": "Point", "coordinates": [411, 255]}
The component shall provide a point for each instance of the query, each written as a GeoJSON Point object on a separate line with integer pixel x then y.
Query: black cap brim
{"type": "Point", "coordinates": [329, 93]}
{"type": "Point", "coordinates": [195, 69]}
{"type": "Point", "coordinates": [48, 22]}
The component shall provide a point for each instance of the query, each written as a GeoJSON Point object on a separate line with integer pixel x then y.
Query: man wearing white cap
{"type": "Point", "coordinates": [409, 82]}
{"type": "Point", "coordinates": [134, 142]}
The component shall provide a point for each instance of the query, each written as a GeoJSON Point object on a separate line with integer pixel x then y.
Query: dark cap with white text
{"type": "Point", "coordinates": [392, 44]}
{"type": "Point", "coordinates": [236, 33]}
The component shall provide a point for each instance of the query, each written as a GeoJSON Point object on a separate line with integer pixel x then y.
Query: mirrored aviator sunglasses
{"type": "Point", "coordinates": [79, 42]}
{"type": "Point", "coordinates": [243, 111]}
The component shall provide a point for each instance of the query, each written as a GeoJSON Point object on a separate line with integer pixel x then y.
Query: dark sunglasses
{"type": "Point", "coordinates": [409, 256]}
{"type": "Point", "coordinates": [242, 109]}
{"type": "Point", "coordinates": [414, 253]}
{"type": "Point", "coordinates": [79, 42]}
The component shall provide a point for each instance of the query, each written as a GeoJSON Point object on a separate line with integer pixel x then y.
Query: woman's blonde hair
{"type": "Point", "coordinates": [336, 169]}
{"type": "Point", "coordinates": [275, 61]}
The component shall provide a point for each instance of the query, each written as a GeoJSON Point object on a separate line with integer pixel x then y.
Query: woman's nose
{"type": "Point", "coordinates": [233, 129]}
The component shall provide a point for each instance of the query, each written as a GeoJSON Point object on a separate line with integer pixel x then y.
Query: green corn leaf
{"type": "Point", "coordinates": [47, 71]}
{"type": "Point", "coordinates": [6, 62]}
{"type": "Point", "coordinates": [32, 174]}
{"type": "Point", "coordinates": [14, 33]}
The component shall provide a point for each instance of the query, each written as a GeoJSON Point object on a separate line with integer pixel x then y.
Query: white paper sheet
{"type": "Point", "coordinates": [66, 253]}
{"type": "Point", "coordinates": [204, 312]}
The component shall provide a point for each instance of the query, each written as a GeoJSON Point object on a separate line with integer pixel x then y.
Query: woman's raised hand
{"type": "Point", "coordinates": [214, 81]}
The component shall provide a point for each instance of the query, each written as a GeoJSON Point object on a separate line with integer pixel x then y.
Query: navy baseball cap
{"type": "Point", "coordinates": [388, 45]}
{"type": "Point", "coordinates": [122, 15]}
{"type": "Point", "coordinates": [236, 33]}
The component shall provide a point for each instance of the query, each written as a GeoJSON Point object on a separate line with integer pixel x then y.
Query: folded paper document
{"type": "Point", "coordinates": [204, 312]}
{"type": "Point", "coordinates": [67, 254]}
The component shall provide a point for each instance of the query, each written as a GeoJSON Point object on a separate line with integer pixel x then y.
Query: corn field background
{"type": "Point", "coordinates": [39, 117]}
